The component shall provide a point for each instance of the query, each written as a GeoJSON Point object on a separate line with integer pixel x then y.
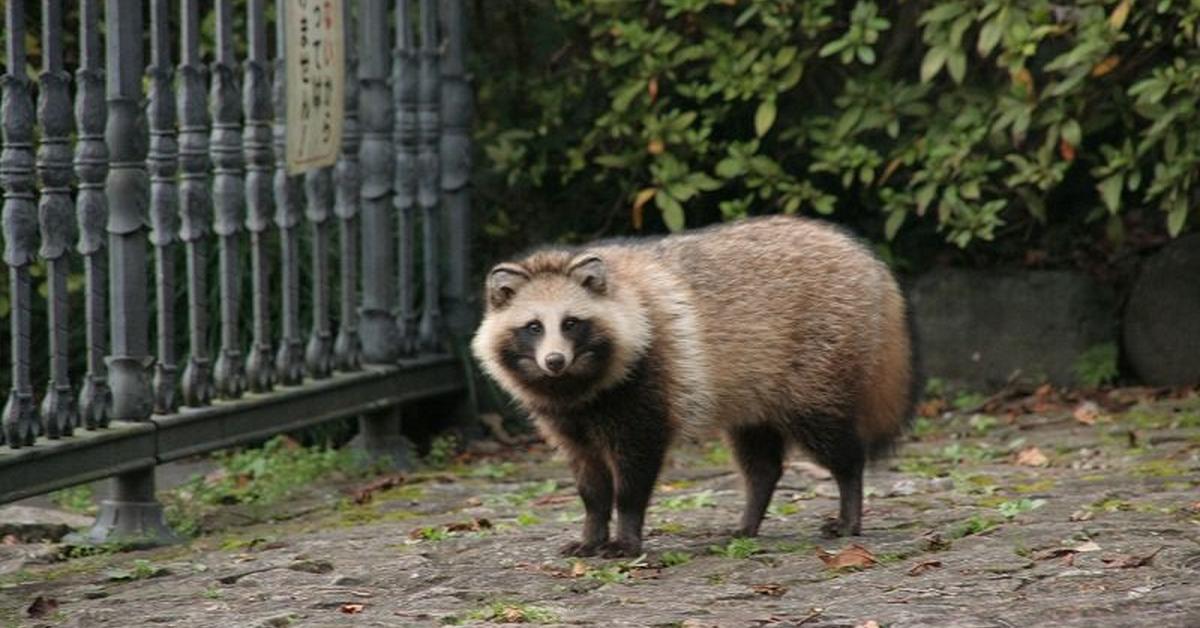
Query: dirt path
{"type": "Point", "coordinates": [1107, 533]}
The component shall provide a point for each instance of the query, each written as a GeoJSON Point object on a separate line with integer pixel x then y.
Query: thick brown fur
{"type": "Point", "coordinates": [778, 332]}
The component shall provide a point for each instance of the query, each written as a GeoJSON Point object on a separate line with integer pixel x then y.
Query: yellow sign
{"type": "Point", "coordinates": [315, 56]}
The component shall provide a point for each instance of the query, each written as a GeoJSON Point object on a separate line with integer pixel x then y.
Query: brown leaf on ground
{"type": "Point", "coordinates": [924, 566]}
{"type": "Point", "coordinates": [1087, 412]}
{"type": "Point", "coordinates": [769, 589]}
{"type": "Point", "coordinates": [1126, 561]}
{"type": "Point", "coordinates": [1195, 507]}
{"type": "Point", "coordinates": [852, 556]}
{"type": "Point", "coordinates": [932, 408]}
{"type": "Point", "coordinates": [473, 525]}
{"type": "Point", "coordinates": [1066, 552]}
{"type": "Point", "coordinates": [41, 607]}
{"type": "Point", "coordinates": [553, 498]}
{"type": "Point", "coordinates": [364, 494]}
{"type": "Point", "coordinates": [351, 608]}
{"type": "Point", "coordinates": [10, 539]}
{"type": "Point", "coordinates": [1031, 457]}
{"type": "Point", "coordinates": [933, 541]}
{"type": "Point", "coordinates": [579, 569]}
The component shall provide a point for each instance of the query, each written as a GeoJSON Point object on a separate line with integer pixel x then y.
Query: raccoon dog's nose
{"type": "Point", "coordinates": [555, 362]}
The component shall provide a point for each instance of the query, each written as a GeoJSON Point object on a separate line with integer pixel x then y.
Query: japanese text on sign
{"type": "Point", "coordinates": [315, 55]}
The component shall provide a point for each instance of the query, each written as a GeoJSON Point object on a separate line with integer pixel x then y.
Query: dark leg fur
{"type": "Point", "coordinates": [636, 471]}
{"type": "Point", "coordinates": [759, 453]}
{"type": "Point", "coordinates": [835, 444]}
{"type": "Point", "coordinates": [594, 482]}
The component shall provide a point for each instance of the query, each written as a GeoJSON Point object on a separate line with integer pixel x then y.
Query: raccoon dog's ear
{"type": "Point", "coordinates": [590, 273]}
{"type": "Point", "coordinates": [502, 283]}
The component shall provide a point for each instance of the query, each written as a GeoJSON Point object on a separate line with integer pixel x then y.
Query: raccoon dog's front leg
{"type": "Point", "coordinates": [636, 468]}
{"type": "Point", "coordinates": [594, 482]}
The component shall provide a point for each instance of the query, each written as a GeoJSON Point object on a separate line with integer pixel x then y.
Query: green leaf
{"type": "Point", "coordinates": [833, 47]}
{"type": "Point", "coordinates": [1072, 133]}
{"type": "Point", "coordinates": [989, 36]}
{"type": "Point", "coordinates": [672, 211]}
{"type": "Point", "coordinates": [866, 54]}
{"type": "Point", "coordinates": [764, 117]}
{"type": "Point", "coordinates": [1110, 192]}
{"type": "Point", "coordinates": [894, 221]}
{"type": "Point", "coordinates": [932, 63]}
{"type": "Point", "coordinates": [1177, 218]}
{"type": "Point", "coordinates": [956, 63]}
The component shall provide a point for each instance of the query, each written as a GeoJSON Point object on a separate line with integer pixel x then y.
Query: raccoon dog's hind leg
{"type": "Point", "coordinates": [759, 452]}
{"type": "Point", "coordinates": [836, 445]}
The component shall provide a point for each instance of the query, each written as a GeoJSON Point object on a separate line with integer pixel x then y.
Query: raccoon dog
{"type": "Point", "coordinates": [778, 332]}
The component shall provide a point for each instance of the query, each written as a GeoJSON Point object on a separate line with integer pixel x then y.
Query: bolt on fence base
{"type": "Point", "coordinates": [132, 516]}
{"type": "Point", "coordinates": [382, 441]}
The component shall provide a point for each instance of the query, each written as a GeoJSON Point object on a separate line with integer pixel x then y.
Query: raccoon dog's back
{"type": "Point", "coordinates": [796, 318]}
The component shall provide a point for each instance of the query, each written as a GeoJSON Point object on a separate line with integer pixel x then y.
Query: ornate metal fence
{"type": "Point", "coordinates": [137, 182]}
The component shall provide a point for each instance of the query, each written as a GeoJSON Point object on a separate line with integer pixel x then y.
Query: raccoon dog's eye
{"type": "Point", "coordinates": [569, 323]}
{"type": "Point", "coordinates": [533, 327]}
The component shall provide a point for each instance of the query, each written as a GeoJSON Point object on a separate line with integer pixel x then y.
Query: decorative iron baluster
{"type": "Point", "coordinates": [164, 205]}
{"type": "Point", "coordinates": [191, 102]}
{"type": "Point", "coordinates": [256, 142]}
{"type": "Point", "coordinates": [91, 212]}
{"type": "Point", "coordinates": [289, 361]}
{"type": "Point", "coordinates": [228, 199]}
{"type": "Point", "coordinates": [56, 214]}
{"type": "Point", "coordinates": [347, 348]}
{"type": "Point", "coordinates": [456, 173]}
{"type": "Point", "coordinates": [377, 323]}
{"type": "Point", "coordinates": [20, 222]}
{"type": "Point", "coordinates": [428, 182]}
{"type": "Point", "coordinates": [404, 90]}
{"type": "Point", "coordinates": [318, 188]}
{"type": "Point", "coordinates": [128, 189]}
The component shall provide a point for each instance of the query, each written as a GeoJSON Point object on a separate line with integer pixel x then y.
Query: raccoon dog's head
{"type": "Point", "coordinates": [558, 328]}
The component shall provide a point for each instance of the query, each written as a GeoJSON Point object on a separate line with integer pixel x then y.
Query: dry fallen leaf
{"type": "Point", "coordinates": [1066, 552]}
{"type": "Point", "coordinates": [364, 494]}
{"type": "Point", "coordinates": [41, 607]}
{"type": "Point", "coordinates": [770, 589]}
{"type": "Point", "coordinates": [10, 539]}
{"type": "Point", "coordinates": [1125, 561]}
{"type": "Point", "coordinates": [933, 541]}
{"type": "Point", "coordinates": [870, 623]}
{"type": "Point", "coordinates": [579, 569]}
{"type": "Point", "coordinates": [473, 525]}
{"type": "Point", "coordinates": [1087, 413]}
{"type": "Point", "coordinates": [1082, 515]}
{"type": "Point", "coordinates": [1032, 457]}
{"type": "Point", "coordinates": [852, 556]}
{"type": "Point", "coordinates": [924, 566]}
{"type": "Point", "coordinates": [351, 608]}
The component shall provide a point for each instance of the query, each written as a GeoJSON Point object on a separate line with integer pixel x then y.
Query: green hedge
{"type": "Point", "coordinates": [974, 120]}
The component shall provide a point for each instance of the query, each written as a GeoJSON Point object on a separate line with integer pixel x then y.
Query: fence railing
{"type": "Point", "coordinates": [162, 163]}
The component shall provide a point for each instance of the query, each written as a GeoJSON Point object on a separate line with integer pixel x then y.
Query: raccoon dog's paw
{"type": "Point", "coordinates": [834, 528]}
{"type": "Point", "coordinates": [580, 549]}
{"type": "Point", "coordinates": [621, 548]}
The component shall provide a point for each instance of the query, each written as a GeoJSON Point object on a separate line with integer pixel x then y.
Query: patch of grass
{"type": "Point", "coordinates": [703, 499]}
{"type": "Point", "coordinates": [1159, 469]}
{"type": "Point", "coordinates": [349, 514]}
{"type": "Point", "coordinates": [793, 547]}
{"type": "Point", "coordinates": [935, 387]}
{"type": "Point", "coordinates": [977, 524]}
{"type": "Point", "coordinates": [670, 527]}
{"type": "Point", "coordinates": [976, 483]}
{"type": "Point", "coordinates": [140, 569]}
{"type": "Point", "coordinates": [504, 612]}
{"type": "Point", "coordinates": [923, 426]}
{"type": "Point", "coordinates": [783, 509]}
{"type": "Point", "coordinates": [75, 499]}
{"type": "Point", "coordinates": [1011, 509]}
{"type": "Point", "coordinates": [715, 578]}
{"type": "Point", "coordinates": [677, 485]}
{"type": "Point", "coordinates": [443, 449]}
{"type": "Point", "coordinates": [433, 533]}
{"type": "Point", "coordinates": [1097, 366]}
{"type": "Point", "coordinates": [922, 466]}
{"type": "Point", "coordinates": [737, 548]}
{"type": "Point", "coordinates": [717, 454]}
{"type": "Point", "coordinates": [213, 593]}
{"type": "Point", "coordinates": [608, 574]}
{"type": "Point", "coordinates": [982, 423]}
{"type": "Point", "coordinates": [1039, 486]}
{"type": "Point", "coordinates": [493, 470]}
{"type": "Point", "coordinates": [527, 519]}
{"type": "Point", "coordinates": [1111, 504]}
{"type": "Point", "coordinates": [262, 476]}
{"type": "Point", "coordinates": [959, 452]}
{"type": "Point", "coordinates": [674, 559]}
{"type": "Point", "coordinates": [966, 400]}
